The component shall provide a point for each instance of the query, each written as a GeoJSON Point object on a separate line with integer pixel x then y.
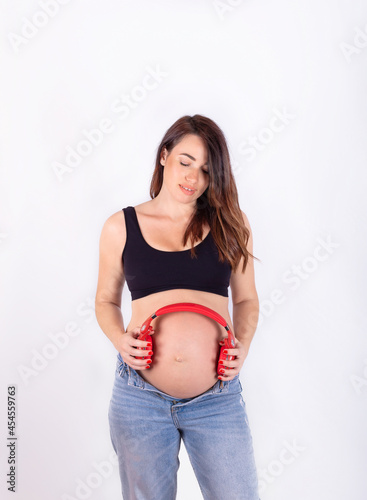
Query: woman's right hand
{"type": "Point", "coordinates": [127, 347]}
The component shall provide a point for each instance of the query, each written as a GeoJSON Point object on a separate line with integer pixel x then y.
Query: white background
{"type": "Point", "coordinates": [305, 379]}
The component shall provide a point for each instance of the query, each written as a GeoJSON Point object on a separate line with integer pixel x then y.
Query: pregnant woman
{"type": "Point", "coordinates": [189, 243]}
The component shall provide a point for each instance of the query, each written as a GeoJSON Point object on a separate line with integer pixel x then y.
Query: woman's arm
{"type": "Point", "coordinates": [245, 318]}
{"type": "Point", "coordinates": [111, 281]}
{"type": "Point", "coordinates": [244, 296]}
{"type": "Point", "coordinates": [111, 278]}
{"type": "Point", "coordinates": [245, 310]}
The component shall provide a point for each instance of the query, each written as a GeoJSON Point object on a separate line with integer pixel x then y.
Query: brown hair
{"type": "Point", "coordinates": [218, 205]}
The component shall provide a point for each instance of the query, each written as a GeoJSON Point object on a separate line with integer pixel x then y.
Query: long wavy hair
{"type": "Point", "coordinates": [218, 206]}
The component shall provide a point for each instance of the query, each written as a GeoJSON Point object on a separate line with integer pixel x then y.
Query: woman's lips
{"type": "Point", "coordinates": [188, 193]}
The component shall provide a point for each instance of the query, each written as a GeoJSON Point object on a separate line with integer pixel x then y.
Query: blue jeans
{"type": "Point", "coordinates": [147, 425]}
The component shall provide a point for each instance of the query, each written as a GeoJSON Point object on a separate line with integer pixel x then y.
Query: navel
{"type": "Point", "coordinates": [178, 359]}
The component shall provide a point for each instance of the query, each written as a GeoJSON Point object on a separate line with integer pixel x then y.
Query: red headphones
{"type": "Point", "coordinates": [229, 342]}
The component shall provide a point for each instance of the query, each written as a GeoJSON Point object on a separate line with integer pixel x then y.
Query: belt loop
{"type": "Point", "coordinates": [122, 369]}
{"type": "Point", "coordinates": [135, 379]}
{"type": "Point", "coordinates": [221, 384]}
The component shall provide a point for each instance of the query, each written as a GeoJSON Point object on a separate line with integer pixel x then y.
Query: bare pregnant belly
{"type": "Point", "coordinates": [186, 349]}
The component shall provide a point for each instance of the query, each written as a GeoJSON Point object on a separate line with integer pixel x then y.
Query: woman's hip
{"type": "Point", "coordinates": [131, 393]}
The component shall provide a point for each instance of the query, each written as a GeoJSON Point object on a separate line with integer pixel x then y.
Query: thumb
{"type": "Point", "coordinates": [136, 332]}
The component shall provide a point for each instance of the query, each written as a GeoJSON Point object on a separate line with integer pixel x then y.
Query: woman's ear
{"type": "Point", "coordinates": [163, 156]}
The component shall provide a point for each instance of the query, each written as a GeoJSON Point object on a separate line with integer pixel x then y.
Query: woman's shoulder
{"type": "Point", "coordinates": [114, 228]}
{"type": "Point", "coordinates": [115, 225]}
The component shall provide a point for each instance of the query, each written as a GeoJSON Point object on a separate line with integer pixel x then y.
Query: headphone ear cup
{"type": "Point", "coordinates": [146, 338]}
{"type": "Point", "coordinates": [224, 357]}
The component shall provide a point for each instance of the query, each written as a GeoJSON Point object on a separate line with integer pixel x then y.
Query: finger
{"type": "Point", "coordinates": [231, 352]}
{"type": "Point", "coordinates": [227, 371]}
{"type": "Point", "coordinates": [138, 361]}
{"type": "Point", "coordinates": [137, 331]}
{"type": "Point", "coordinates": [141, 365]}
{"type": "Point", "coordinates": [228, 364]}
{"type": "Point", "coordinates": [141, 343]}
{"type": "Point", "coordinates": [139, 353]}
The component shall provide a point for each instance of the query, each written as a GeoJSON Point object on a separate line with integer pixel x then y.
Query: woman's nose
{"type": "Point", "coordinates": [192, 176]}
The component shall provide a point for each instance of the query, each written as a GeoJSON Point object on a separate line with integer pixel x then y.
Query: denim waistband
{"type": "Point", "coordinates": [135, 380]}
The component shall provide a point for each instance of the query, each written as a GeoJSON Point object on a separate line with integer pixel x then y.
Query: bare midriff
{"type": "Point", "coordinates": [185, 344]}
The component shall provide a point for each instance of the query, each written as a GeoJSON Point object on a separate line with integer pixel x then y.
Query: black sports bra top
{"type": "Point", "coordinates": [149, 270]}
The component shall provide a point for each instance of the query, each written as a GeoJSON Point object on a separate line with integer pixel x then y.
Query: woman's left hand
{"type": "Point", "coordinates": [232, 368]}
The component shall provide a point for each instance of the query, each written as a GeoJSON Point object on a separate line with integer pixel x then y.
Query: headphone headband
{"type": "Point", "coordinates": [193, 307]}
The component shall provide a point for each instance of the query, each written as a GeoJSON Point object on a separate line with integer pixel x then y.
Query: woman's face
{"type": "Point", "coordinates": [186, 167]}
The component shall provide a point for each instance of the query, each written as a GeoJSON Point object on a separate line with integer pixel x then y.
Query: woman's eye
{"type": "Point", "coordinates": [188, 164]}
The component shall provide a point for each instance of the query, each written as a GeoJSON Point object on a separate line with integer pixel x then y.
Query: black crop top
{"type": "Point", "coordinates": [148, 270]}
